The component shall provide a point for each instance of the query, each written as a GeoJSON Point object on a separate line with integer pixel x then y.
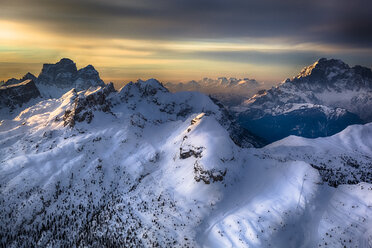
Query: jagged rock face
{"type": "Point", "coordinates": [59, 74]}
{"type": "Point", "coordinates": [64, 75]}
{"type": "Point", "coordinates": [207, 176]}
{"type": "Point", "coordinates": [333, 74]}
{"type": "Point", "coordinates": [15, 95]}
{"type": "Point", "coordinates": [85, 104]}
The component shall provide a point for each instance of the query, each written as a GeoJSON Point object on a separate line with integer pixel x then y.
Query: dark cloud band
{"type": "Point", "coordinates": [341, 22]}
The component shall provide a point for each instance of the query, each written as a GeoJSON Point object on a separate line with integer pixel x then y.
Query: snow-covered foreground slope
{"type": "Point", "coordinates": [285, 205]}
{"type": "Point", "coordinates": [280, 201]}
{"type": "Point", "coordinates": [145, 167]}
{"type": "Point", "coordinates": [344, 158]}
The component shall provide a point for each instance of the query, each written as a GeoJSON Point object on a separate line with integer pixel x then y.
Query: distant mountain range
{"type": "Point", "coordinates": [85, 165]}
{"type": "Point", "coordinates": [230, 91]}
{"type": "Point", "coordinates": [219, 85]}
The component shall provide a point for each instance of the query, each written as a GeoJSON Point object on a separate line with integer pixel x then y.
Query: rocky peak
{"type": "Point", "coordinates": [324, 62]}
{"type": "Point", "coordinates": [142, 88]}
{"type": "Point", "coordinates": [29, 75]}
{"type": "Point", "coordinates": [323, 69]}
{"type": "Point", "coordinates": [87, 77]}
{"type": "Point", "coordinates": [151, 86]}
{"type": "Point", "coordinates": [58, 74]}
{"type": "Point", "coordinates": [88, 71]}
{"type": "Point", "coordinates": [55, 79]}
{"type": "Point", "coordinates": [330, 74]}
{"type": "Point", "coordinates": [63, 66]}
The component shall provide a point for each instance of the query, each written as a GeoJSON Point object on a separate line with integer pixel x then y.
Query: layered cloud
{"type": "Point", "coordinates": [181, 40]}
{"type": "Point", "coordinates": [332, 21]}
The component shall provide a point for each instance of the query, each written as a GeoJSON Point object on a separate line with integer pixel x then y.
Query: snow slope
{"type": "Point", "coordinates": [278, 200]}
{"type": "Point", "coordinates": [144, 167]}
{"type": "Point", "coordinates": [343, 158]}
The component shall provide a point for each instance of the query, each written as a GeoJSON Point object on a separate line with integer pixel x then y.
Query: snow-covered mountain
{"type": "Point", "coordinates": [230, 91]}
{"type": "Point", "coordinates": [321, 100]}
{"type": "Point", "coordinates": [144, 167]}
{"type": "Point", "coordinates": [53, 81]}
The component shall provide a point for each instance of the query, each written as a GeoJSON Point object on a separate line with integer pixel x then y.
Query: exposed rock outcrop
{"type": "Point", "coordinates": [15, 95]}
{"type": "Point", "coordinates": [85, 104]}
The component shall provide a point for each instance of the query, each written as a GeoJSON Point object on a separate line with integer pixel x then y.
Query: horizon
{"type": "Point", "coordinates": [122, 82]}
{"type": "Point", "coordinates": [263, 40]}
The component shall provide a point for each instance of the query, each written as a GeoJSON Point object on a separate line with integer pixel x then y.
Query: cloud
{"type": "Point", "coordinates": [340, 22]}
